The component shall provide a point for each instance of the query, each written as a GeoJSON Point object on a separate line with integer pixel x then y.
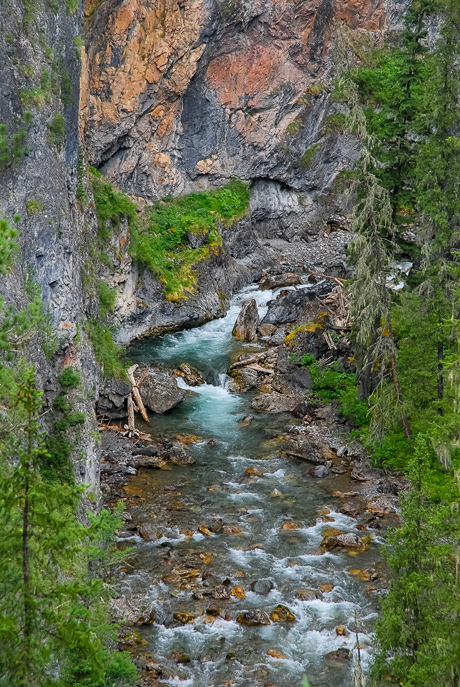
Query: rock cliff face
{"type": "Point", "coordinates": [39, 75]}
{"type": "Point", "coordinates": [179, 96]}
{"type": "Point", "coordinates": [185, 95]}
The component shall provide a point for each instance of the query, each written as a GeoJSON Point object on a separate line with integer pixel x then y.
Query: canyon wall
{"type": "Point", "coordinates": [185, 95]}
{"type": "Point", "coordinates": [167, 97]}
{"type": "Point", "coordinates": [39, 99]}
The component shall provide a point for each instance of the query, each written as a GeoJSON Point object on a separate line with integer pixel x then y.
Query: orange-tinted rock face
{"type": "Point", "coordinates": [181, 94]}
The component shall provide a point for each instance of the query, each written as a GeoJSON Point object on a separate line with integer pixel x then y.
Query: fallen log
{"type": "Point", "coordinates": [137, 396]}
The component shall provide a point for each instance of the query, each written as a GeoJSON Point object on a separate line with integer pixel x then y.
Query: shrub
{"type": "Point", "coordinates": [12, 152]}
{"type": "Point", "coordinates": [335, 122]}
{"type": "Point", "coordinates": [331, 383]}
{"type": "Point", "coordinates": [33, 207]}
{"type": "Point", "coordinates": [69, 379]}
{"type": "Point", "coordinates": [8, 245]}
{"type": "Point", "coordinates": [294, 127]}
{"type": "Point", "coordinates": [111, 206]}
{"type": "Point", "coordinates": [108, 354]}
{"type": "Point", "coordinates": [161, 241]}
{"type": "Point", "coordinates": [71, 6]}
{"type": "Point", "coordinates": [316, 89]}
{"type": "Point", "coordinates": [56, 130]}
{"type": "Point", "coordinates": [107, 297]}
{"type": "Point", "coordinates": [309, 155]}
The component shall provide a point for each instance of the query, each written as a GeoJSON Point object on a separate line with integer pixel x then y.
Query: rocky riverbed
{"type": "Point", "coordinates": [255, 520]}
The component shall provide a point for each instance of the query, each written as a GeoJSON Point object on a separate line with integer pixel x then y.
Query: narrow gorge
{"type": "Point", "coordinates": [229, 343]}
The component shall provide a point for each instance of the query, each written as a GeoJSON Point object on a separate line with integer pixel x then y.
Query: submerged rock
{"type": "Point", "coordinates": [251, 618]}
{"type": "Point", "coordinates": [179, 657]}
{"type": "Point", "coordinates": [342, 654]}
{"type": "Point", "coordinates": [184, 617]}
{"type": "Point", "coordinates": [274, 653]}
{"type": "Point", "coordinates": [307, 594]}
{"type": "Point", "coordinates": [262, 586]}
{"type": "Point", "coordinates": [319, 471]}
{"type": "Point", "coordinates": [159, 390]}
{"type": "Point", "coordinates": [247, 321]}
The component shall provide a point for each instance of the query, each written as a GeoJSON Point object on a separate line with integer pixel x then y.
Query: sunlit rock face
{"type": "Point", "coordinates": [182, 95]}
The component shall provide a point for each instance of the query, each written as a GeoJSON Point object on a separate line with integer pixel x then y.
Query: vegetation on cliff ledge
{"type": "Point", "coordinates": [176, 234]}
{"type": "Point", "coordinates": [173, 235]}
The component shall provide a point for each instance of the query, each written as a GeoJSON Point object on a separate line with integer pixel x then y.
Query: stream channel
{"type": "Point", "coordinates": [179, 569]}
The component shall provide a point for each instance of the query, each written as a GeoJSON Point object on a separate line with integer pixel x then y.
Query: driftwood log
{"type": "Point", "coordinates": [136, 393]}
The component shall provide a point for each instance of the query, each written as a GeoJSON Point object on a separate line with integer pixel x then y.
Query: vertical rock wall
{"type": "Point", "coordinates": [185, 95]}
{"type": "Point", "coordinates": [40, 73]}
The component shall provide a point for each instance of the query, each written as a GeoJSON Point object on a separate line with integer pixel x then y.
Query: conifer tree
{"type": "Point", "coordinates": [49, 607]}
{"type": "Point", "coordinates": [371, 251]}
{"type": "Point", "coordinates": [418, 633]}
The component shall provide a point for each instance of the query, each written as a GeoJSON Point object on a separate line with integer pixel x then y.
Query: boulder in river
{"type": "Point", "coordinates": [342, 654]}
{"type": "Point", "coordinates": [251, 618]}
{"type": "Point", "coordinates": [287, 307]}
{"type": "Point", "coordinates": [247, 321]}
{"type": "Point", "coordinates": [346, 541]}
{"type": "Point", "coordinates": [275, 281]}
{"type": "Point", "coordinates": [282, 614]}
{"type": "Point", "coordinates": [159, 390]}
{"type": "Point", "coordinates": [318, 471]}
{"type": "Point", "coordinates": [262, 586]}
{"type": "Point", "coordinates": [189, 374]}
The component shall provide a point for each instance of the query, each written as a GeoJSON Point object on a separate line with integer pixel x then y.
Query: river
{"type": "Point", "coordinates": [180, 568]}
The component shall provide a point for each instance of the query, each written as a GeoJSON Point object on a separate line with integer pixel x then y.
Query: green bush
{"type": "Point", "coordinates": [11, 152]}
{"type": "Point", "coordinates": [69, 379]}
{"type": "Point", "coordinates": [335, 122]}
{"type": "Point", "coordinates": [33, 207]}
{"type": "Point", "coordinates": [107, 297]}
{"type": "Point", "coordinates": [108, 354]}
{"type": "Point", "coordinates": [294, 127]}
{"type": "Point", "coordinates": [56, 129]}
{"type": "Point", "coordinates": [56, 466]}
{"type": "Point", "coordinates": [8, 245]}
{"type": "Point", "coordinates": [331, 383]}
{"type": "Point", "coordinates": [111, 206]}
{"type": "Point", "coordinates": [71, 6]}
{"type": "Point", "coordinates": [308, 156]}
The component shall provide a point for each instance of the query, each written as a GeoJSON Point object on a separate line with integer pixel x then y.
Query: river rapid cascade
{"type": "Point", "coordinates": [227, 553]}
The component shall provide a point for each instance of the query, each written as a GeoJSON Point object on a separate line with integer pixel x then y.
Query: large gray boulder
{"type": "Point", "coordinates": [275, 402]}
{"type": "Point", "coordinates": [288, 307]}
{"type": "Point", "coordinates": [247, 322]}
{"type": "Point", "coordinates": [159, 390]}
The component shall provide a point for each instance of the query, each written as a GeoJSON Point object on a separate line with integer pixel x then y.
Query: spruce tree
{"type": "Point", "coordinates": [418, 633]}
{"type": "Point", "coordinates": [50, 608]}
{"type": "Point", "coordinates": [372, 252]}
